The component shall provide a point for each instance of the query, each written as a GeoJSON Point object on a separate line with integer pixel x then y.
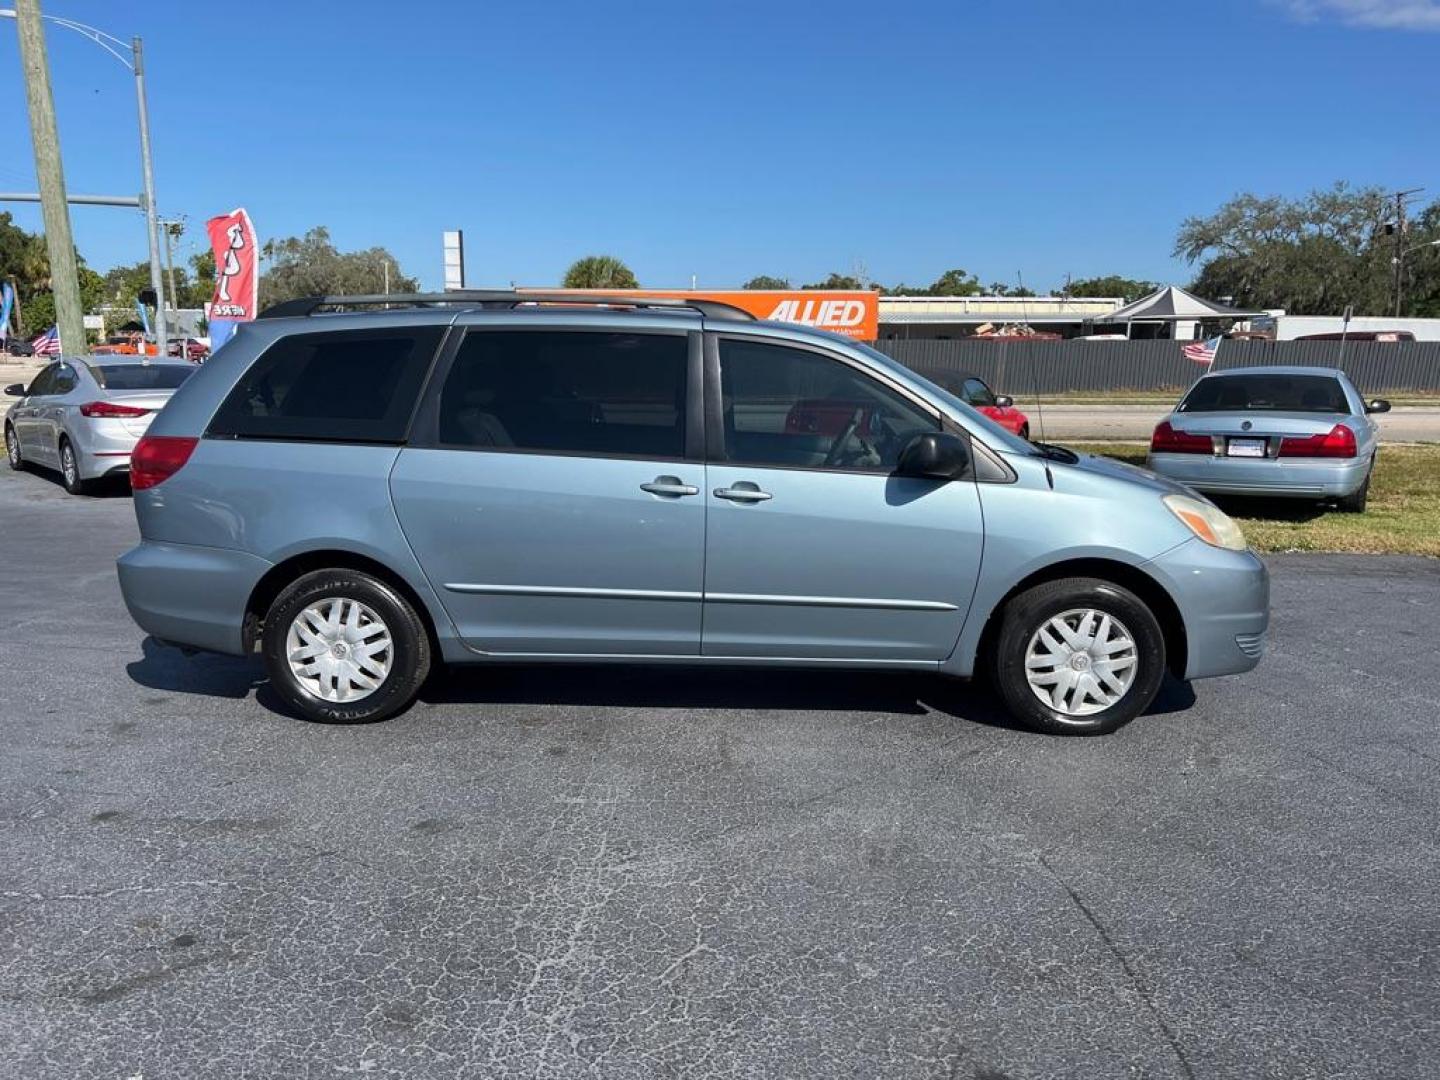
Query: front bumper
{"type": "Point", "coordinates": [190, 595]}
{"type": "Point", "coordinates": [1224, 600]}
{"type": "Point", "coordinates": [1300, 478]}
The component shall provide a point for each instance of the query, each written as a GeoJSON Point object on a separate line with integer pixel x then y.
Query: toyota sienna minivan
{"type": "Point", "coordinates": [500, 477]}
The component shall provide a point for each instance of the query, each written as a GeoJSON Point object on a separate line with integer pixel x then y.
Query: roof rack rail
{"type": "Point", "coordinates": [504, 299]}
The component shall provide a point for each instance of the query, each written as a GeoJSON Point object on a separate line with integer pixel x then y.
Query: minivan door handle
{"type": "Point", "coordinates": [669, 485]}
{"type": "Point", "coordinates": [744, 491]}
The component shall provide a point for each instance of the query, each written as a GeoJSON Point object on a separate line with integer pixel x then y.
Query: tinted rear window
{"type": "Point", "coordinates": [1267, 393]}
{"type": "Point", "coordinates": [567, 393]}
{"type": "Point", "coordinates": [341, 386]}
{"type": "Point", "coordinates": [141, 376]}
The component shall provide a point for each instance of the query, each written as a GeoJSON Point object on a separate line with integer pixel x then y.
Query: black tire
{"type": "Point", "coordinates": [1354, 503]}
{"type": "Point", "coordinates": [409, 654]}
{"type": "Point", "coordinates": [70, 470]}
{"type": "Point", "coordinates": [12, 449]}
{"type": "Point", "coordinates": [1027, 613]}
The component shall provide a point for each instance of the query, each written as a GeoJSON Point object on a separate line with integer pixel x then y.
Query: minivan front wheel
{"type": "Point", "coordinates": [1078, 656]}
{"type": "Point", "coordinates": [343, 647]}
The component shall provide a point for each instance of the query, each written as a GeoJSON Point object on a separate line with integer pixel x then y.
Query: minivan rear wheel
{"type": "Point", "coordinates": [1078, 656]}
{"type": "Point", "coordinates": [344, 647]}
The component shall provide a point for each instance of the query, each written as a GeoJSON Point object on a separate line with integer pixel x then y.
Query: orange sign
{"type": "Point", "coordinates": [854, 314]}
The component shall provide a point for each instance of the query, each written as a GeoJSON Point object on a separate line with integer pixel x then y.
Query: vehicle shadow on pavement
{"type": "Point", "coordinates": [164, 667]}
{"type": "Point", "coordinates": [1296, 510]}
{"type": "Point", "coordinates": [107, 487]}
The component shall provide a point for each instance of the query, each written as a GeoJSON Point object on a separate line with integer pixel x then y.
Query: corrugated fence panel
{"type": "Point", "coordinates": [1057, 367]}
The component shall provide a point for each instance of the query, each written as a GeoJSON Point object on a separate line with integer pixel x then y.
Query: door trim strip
{"type": "Point", "coordinates": [868, 602]}
{"type": "Point", "coordinates": [572, 591]}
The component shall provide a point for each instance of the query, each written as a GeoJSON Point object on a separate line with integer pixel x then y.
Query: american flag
{"type": "Point", "coordinates": [48, 343]}
{"type": "Point", "coordinates": [1203, 352]}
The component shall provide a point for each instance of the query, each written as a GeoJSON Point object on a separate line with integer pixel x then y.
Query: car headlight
{"type": "Point", "coordinates": [1207, 522]}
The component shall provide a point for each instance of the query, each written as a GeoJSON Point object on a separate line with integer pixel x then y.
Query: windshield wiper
{"type": "Point", "coordinates": [1051, 452]}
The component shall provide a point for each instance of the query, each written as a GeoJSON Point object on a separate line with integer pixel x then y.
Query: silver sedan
{"type": "Point", "coordinates": [84, 415]}
{"type": "Point", "coordinates": [1293, 432]}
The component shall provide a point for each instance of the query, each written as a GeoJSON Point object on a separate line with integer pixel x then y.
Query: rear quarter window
{"type": "Point", "coordinates": [339, 386]}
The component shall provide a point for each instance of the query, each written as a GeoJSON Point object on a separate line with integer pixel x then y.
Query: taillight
{"type": "Point", "coordinates": [1166, 440]}
{"type": "Point", "coordinates": [110, 409]}
{"type": "Point", "coordinates": [156, 458]}
{"type": "Point", "coordinates": [1339, 441]}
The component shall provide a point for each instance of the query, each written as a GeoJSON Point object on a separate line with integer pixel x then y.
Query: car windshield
{"type": "Point", "coordinates": [995, 435]}
{"type": "Point", "coordinates": [1267, 393]}
{"type": "Point", "coordinates": [142, 376]}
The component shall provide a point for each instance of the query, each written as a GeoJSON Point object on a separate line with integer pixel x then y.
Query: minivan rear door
{"type": "Point", "coordinates": [552, 489]}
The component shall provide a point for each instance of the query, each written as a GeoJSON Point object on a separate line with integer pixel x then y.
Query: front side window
{"type": "Point", "coordinates": [567, 392]}
{"type": "Point", "coordinates": [340, 386]}
{"type": "Point", "coordinates": [978, 394]}
{"type": "Point", "coordinates": [1267, 393]}
{"type": "Point", "coordinates": [42, 382]}
{"type": "Point", "coordinates": [795, 408]}
{"type": "Point", "coordinates": [64, 380]}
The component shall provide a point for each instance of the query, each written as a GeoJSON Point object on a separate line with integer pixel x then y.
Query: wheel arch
{"type": "Point", "coordinates": [274, 581]}
{"type": "Point", "coordinates": [1133, 578]}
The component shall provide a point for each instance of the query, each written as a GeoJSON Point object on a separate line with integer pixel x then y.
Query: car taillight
{"type": "Point", "coordinates": [156, 458]}
{"type": "Point", "coordinates": [110, 409]}
{"type": "Point", "coordinates": [1339, 441]}
{"type": "Point", "coordinates": [1166, 440]}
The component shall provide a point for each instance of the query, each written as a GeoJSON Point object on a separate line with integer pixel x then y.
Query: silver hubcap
{"type": "Point", "coordinates": [67, 462]}
{"type": "Point", "coordinates": [339, 650]}
{"type": "Point", "coordinates": [1081, 662]}
{"type": "Point", "coordinates": [12, 446]}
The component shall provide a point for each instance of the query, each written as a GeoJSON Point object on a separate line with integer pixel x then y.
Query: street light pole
{"type": "Point", "coordinates": [152, 227]}
{"type": "Point", "coordinates": [64, 279]}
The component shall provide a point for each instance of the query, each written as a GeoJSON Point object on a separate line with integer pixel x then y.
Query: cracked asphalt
{"type": "Point", "coordinates": [627, 872]}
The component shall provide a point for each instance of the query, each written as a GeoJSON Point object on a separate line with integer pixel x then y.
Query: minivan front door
{"type": "Point", "coordinates": [549, 496]}
{"type": "Point", "coordinates": [813, 549]}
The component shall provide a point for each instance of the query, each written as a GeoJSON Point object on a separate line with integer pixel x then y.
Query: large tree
{"type": "Point", "coordinates": [836, 281]}
{"type": "Point", "coordinates": [765, 281]}
{"type": "Point", "coordinates": [311, 265]}
{"type": "Point", "coordinates": [599, 272]}
{"type": "Point", "coordinates": [1111, 285]}
{"type": "Point", "coordinates": [1311, 256]}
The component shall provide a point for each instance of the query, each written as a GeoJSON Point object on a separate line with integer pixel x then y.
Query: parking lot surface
{"type": "Point", "coordinates": [560, 872]}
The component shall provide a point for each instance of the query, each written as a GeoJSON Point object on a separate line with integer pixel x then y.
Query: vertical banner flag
{"type": "Point", "coordinates": [8, 302]}
{"type": "Point", "coordinates": [237, 274]}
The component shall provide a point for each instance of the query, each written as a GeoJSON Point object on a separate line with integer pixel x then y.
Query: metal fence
{"type": "Point", "coordinates": [1057, 367]}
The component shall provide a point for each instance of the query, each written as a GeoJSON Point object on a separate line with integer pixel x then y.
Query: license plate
{"type": "Point", "coordinates": [1245, 448]}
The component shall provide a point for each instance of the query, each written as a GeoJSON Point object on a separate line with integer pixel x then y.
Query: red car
{"type": "Point", "coordinates": [974, 391]}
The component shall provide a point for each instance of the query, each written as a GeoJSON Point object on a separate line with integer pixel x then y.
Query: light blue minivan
{"type": "Point", "coordinates": [512, 477]}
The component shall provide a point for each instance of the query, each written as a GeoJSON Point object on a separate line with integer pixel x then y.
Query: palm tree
{"type": "Point", "coordinates": [599, 272]}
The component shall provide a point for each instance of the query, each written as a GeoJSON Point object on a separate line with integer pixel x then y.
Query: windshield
{"type": "Point", "coordinates": [1266, 393]}
{"type": "Point", "coordinates": [142, 376]}
{"type": "Point", "coordinates": [995, 435]}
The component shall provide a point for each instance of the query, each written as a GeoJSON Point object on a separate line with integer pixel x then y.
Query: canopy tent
{"type": "Point", "coordinates": [1170, 304]}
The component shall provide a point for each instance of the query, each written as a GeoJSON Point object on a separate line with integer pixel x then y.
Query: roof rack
{"type": "Point", "coordinates": [506, 299]}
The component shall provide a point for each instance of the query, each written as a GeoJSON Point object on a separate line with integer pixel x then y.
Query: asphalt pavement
{"type": "Point", "coordinates": [563, 872]}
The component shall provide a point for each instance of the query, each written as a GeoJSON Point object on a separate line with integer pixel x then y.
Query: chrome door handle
{"type": "Point", "coordinates": [743, 492]}
{"type": "Point", "coordinates": [669, 485]}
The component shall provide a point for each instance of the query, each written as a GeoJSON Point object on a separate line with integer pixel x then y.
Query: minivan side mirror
{"type": "Point", "coordinates": [1378, 405]}
{"type": "Point", "coordinates": [1003, 401]}
{"type": "Point", "coordinates": [15, 389]}
{"type": "Point", "coordinates": [934, 455]}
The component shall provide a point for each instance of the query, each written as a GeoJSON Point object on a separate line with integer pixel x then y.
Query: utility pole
{"type": "Point", "coordinates": [1398, 259]}
{"type": "Point", "coordinates": [151, 224]}
{"type": "Point", "coordinates": [172, 230]}
{"type": "Point", "coordinates": [64, 278]}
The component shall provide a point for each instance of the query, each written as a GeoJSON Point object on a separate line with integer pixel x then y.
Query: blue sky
{"type": "Point", "coordinates": [726, 140]}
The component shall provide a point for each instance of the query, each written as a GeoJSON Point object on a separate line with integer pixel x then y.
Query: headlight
{"type": "Point", "coordinates": [1206, 522]}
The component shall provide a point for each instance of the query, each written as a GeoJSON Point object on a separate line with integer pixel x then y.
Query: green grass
{"type": "Point", "coordinates": [1403, 516]}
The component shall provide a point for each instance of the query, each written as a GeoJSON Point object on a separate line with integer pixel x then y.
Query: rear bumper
{"type": "Point", "coordinates": [103, 447]}
{"type": "Point", "coordinates": [1224, 600]}
{"type": "Point", "coordinates": [190, 595]}
{"type": "Point", "coordinates": [1285, 477]}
